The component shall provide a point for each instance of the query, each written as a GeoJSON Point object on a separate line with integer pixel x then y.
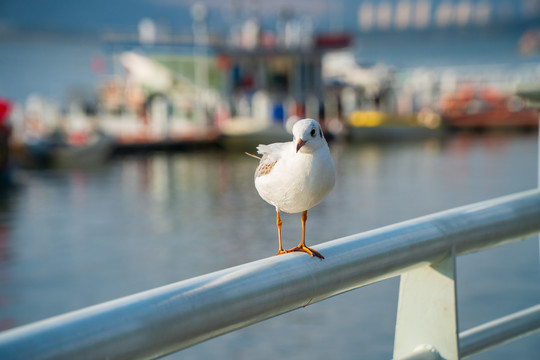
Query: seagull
{"type": "Point", "coordinates": [295, 176]}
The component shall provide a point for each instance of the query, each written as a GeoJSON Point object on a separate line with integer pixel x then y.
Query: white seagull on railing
{"type": "Point", "coordinates": [295, 176]}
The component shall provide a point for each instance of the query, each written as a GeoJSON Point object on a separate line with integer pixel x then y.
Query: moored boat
{"type": "Point", "coordinates": [486, 108]}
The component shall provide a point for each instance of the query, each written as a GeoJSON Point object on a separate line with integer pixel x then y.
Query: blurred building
{"type": "Point", "coordinates": [403, 15]}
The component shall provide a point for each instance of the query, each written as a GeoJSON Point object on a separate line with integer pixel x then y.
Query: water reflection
{"type": "Point", "coordinates": [73, 239]}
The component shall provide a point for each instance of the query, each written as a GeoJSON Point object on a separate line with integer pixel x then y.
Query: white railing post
{"type": "Point", "coordinates": [427, 312]}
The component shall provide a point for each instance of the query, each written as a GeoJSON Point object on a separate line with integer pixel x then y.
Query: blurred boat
{"type": "Point", "coordinates": [521, 119]}
{"type": "Point", "coordinates": [486, 108]}
{"type": "Point", "coordinates": [157, 107]}
{"type": "Point", "coordinates": [56, 151]}
{"type": "Point", "coordinates": [377, 125]}
{"type": "Point", "coordinates": [369, 103]}
{"type": "Point", "coordinates": [94, 152]}
{"type": "Point", "coordinates": [43, 137]}
{"type": "Point", "coordinates": [238, 91]}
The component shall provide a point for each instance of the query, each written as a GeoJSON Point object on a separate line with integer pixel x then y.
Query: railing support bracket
{"type": "Point", "coordinates": [427, 312]}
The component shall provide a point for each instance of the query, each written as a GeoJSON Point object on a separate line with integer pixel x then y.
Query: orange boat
{"type": "Point", "coordinates": [487, 107]}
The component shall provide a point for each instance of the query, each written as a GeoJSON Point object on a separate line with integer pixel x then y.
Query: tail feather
{"type": "Point", "coordinates": [253, 156]}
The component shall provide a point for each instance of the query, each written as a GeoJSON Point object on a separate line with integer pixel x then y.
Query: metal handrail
{"type": "Point", "coordinates": [499, 331]}
{"type": "Point", "coordinates": [166, 319]}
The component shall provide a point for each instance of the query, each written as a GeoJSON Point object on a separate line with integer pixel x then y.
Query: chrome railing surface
{"type": "Point", "coordinates": [167, 319]}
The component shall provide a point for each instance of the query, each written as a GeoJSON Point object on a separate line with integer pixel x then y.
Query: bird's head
{"type": "Point", "coordinates": [307, 136]}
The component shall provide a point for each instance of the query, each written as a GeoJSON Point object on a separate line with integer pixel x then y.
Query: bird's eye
{"type": "Point", "coordinates": [312, 132]}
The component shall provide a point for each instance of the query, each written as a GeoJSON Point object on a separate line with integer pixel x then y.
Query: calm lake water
{"type": "Point", "coordinates": [70, 239]}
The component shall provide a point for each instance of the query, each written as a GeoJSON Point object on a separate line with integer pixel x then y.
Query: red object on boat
{"type": "Point", "coordinates": [333, 40]}
{"type": "Point", "coordinates": [5, 110]}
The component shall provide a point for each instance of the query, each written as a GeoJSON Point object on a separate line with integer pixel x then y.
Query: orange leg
{"type": "Point", "coordinates": [302, 246]}
{"type": "Point", "coordinates": [279, 223]}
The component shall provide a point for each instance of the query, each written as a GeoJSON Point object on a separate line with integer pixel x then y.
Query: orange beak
{"type": "Point", "coordinates": [300, 144]}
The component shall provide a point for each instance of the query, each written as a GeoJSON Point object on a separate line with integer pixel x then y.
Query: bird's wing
{"type": "Point", "coordinates": [271, 154]}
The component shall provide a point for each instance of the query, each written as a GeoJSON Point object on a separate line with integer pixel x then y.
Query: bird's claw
{"type": "Point", "coordinates": [281, 252]}
{"type": "Point", "coordinates": [307, 250]}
